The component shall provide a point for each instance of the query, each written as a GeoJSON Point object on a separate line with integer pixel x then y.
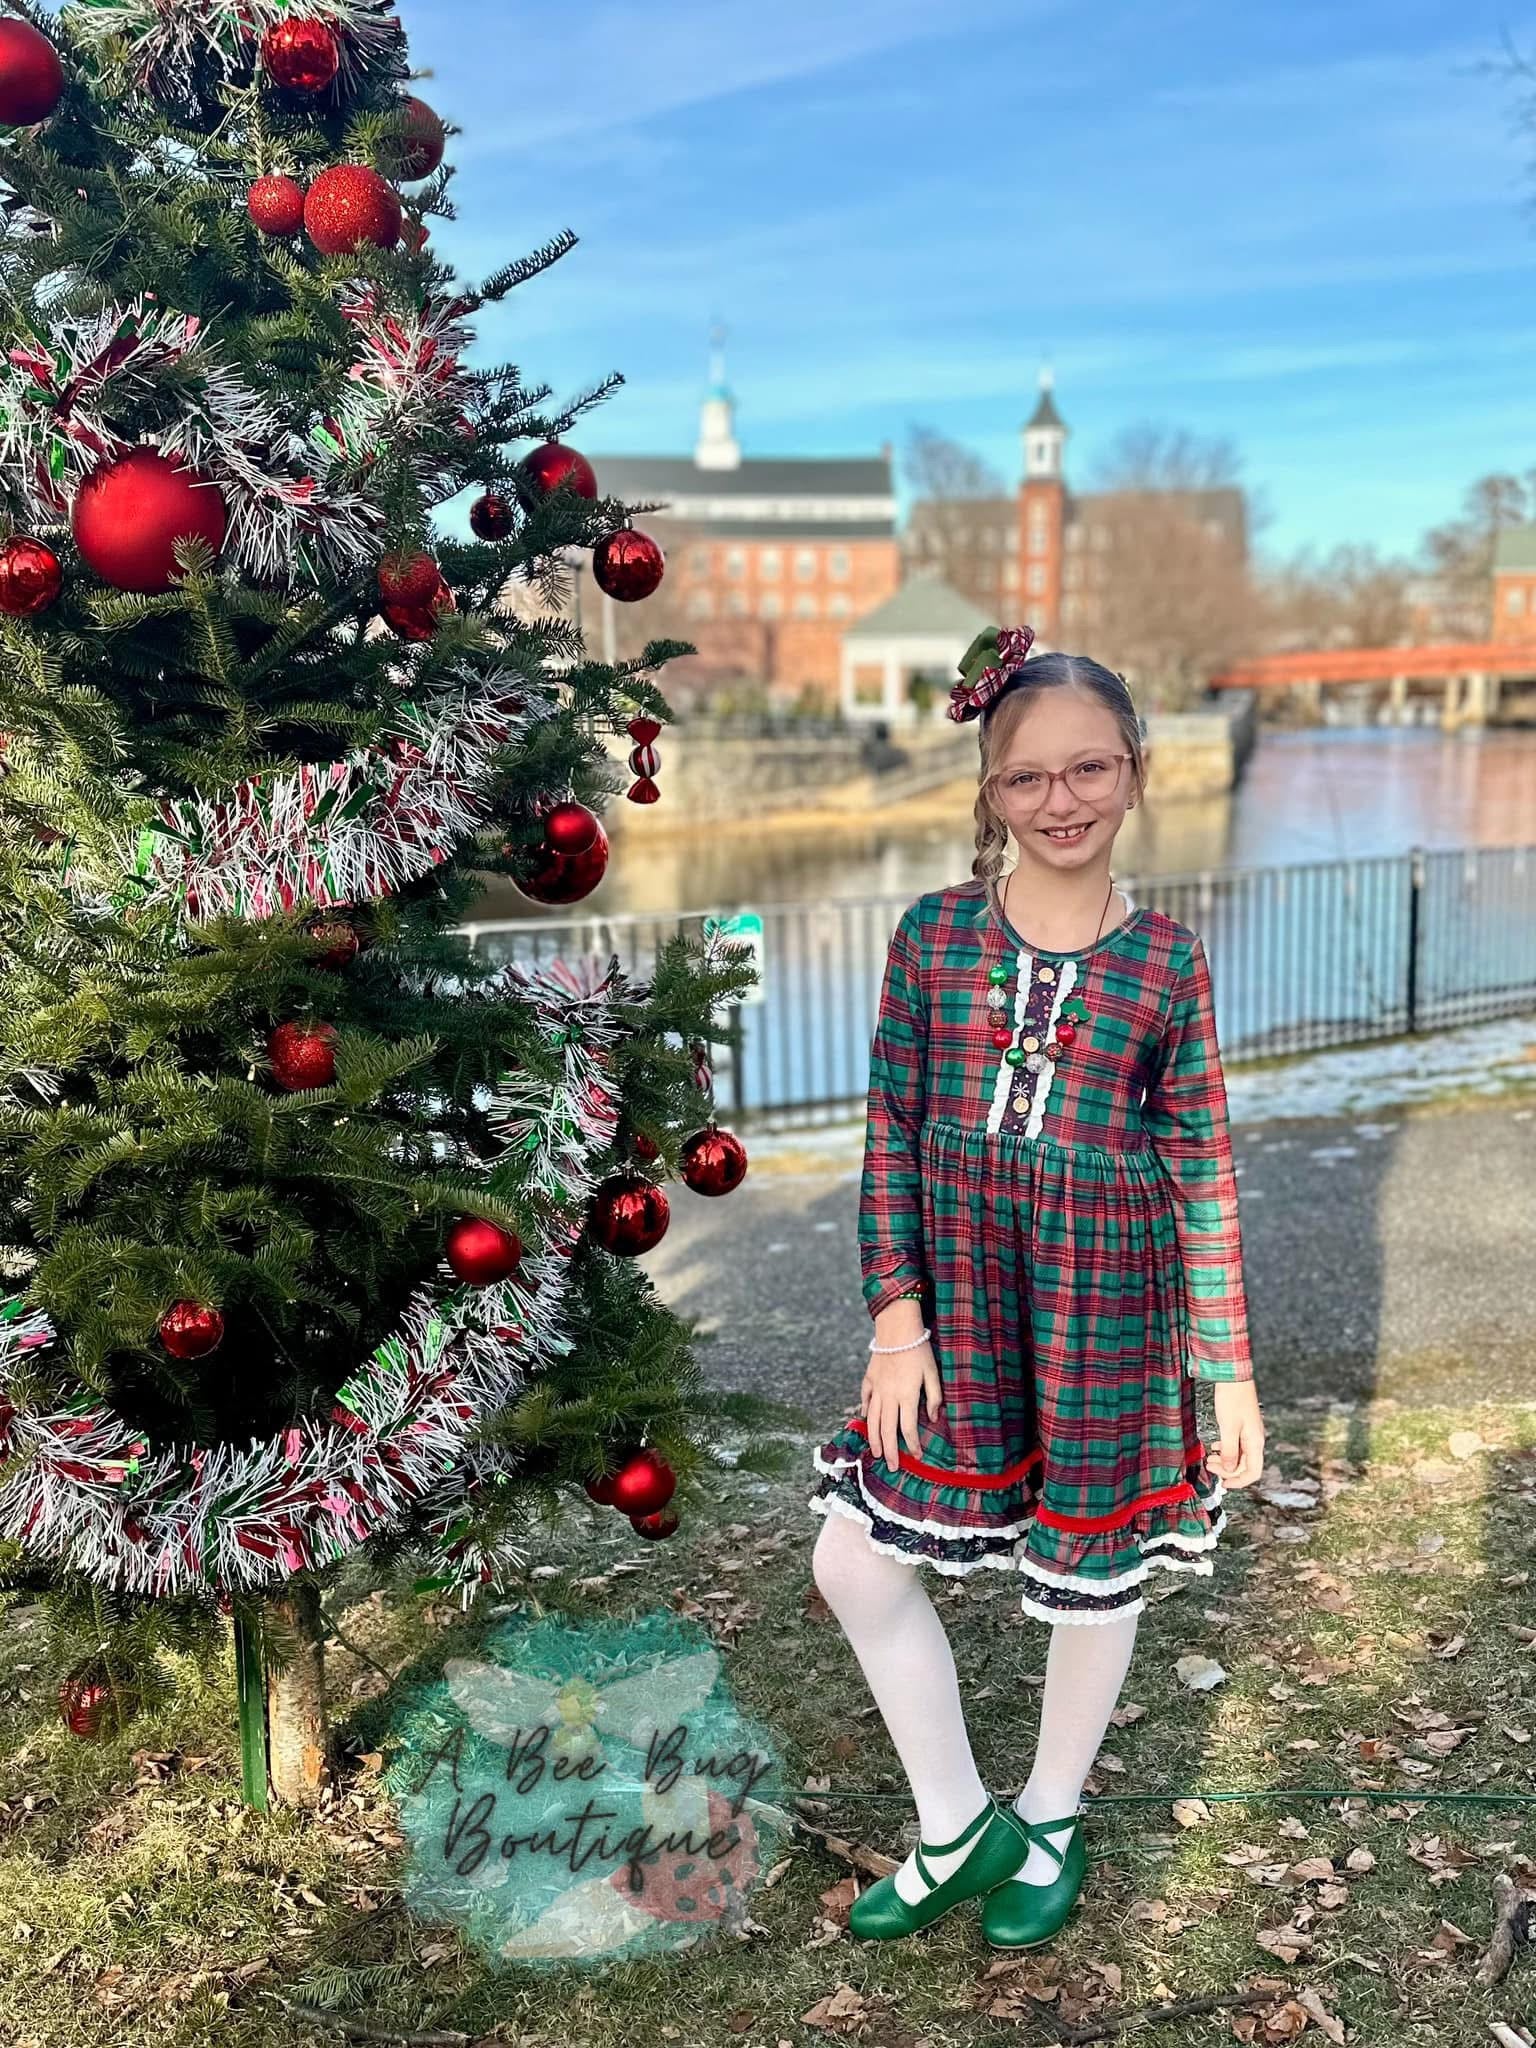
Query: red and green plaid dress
{"type": "Point", "coordinates": [1072, 1224]}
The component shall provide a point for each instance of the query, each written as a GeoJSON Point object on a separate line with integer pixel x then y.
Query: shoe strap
{"type": "Point", "coordinates": [948, 1848]}
{"type": "Point", "coordinates": [1041, 1830]}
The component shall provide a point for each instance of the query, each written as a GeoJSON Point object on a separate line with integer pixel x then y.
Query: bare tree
{"type": "Point", "coordinates": [948, 483]}
{"type": "Point", "coordinates": [1351, 597]}
{"type": "Point", "coordinates": [1459, 555]}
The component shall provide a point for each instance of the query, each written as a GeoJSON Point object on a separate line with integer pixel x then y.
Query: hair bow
{"type": "Point", "coordinates": [992, 657]}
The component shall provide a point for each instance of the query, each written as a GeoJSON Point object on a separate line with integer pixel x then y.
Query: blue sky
{"type": "Point", "coordinates": [1307, 227]}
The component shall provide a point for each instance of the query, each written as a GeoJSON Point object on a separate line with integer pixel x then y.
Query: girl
{"type": "Point", "coordinates": [1049, 1241]}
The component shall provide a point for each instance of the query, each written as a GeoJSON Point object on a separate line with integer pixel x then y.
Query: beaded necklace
{"type": "Point", "coordinates": [1023, 1043]}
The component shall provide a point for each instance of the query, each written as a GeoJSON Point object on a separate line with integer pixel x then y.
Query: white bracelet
{"type": "Point", "coordinates": [900, 1347]}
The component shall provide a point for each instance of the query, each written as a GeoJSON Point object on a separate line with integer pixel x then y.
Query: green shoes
{"type": "Point", "coordinates": [1026, 1915]}
{"type": "Point", "coordinates": [882, 1914]}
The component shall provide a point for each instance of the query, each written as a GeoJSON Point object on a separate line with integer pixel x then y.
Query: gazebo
{"type": "Point", "coordinates": [923, 630]}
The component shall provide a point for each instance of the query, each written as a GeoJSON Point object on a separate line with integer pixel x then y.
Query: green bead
{"type": "Point", "coordinates": [997, 975]}
{"type": "Point", "coordinates": [1014, 1055]}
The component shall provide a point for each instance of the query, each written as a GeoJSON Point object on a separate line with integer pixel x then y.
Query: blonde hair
{"type": "Point", "coordinates": [1000, 720]}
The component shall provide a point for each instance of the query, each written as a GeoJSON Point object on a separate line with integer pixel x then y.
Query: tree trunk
{"type": "Point", "coordinates": [298, 1735]}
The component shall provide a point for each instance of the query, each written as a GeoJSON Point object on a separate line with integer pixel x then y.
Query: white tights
{"type": "Point", "coordinates": [889, 1620]}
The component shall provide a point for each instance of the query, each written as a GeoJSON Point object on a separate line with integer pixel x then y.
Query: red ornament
{"type": "Point", "coordinates": [713, 1161]}
{"type": "Point", "coordinates": [643, 731]}
{"type": "Point", "coordinates": [30, 577]}
{"type": "Point", "coordinates": [570, 827]}
{"type": "Point", "coordinates": [189, 1329]}
{"type": "Point", "coordinates": [86, 1696]}
{"type": "Point", "coordinates": [31, 76]}
{"type": "Point", "coordinates": [1066, 1031]}
{"type": "Point", "coordinates": [481, 1252]}
{"type": "Point", "coordinates": [423, 142]}
{"type": "Point", "coordinates": [129, 515]}
{"type": "Point", "coordinates": [303, 1056]}
{"type": "Point", "coordinates": [417, 235]}
{"type": "Point", "coordinates": [341, 942]}
{"type": "Point", "coordinates": [492, 517]}
{"type": "Point", "coordinates": [301, 56]}
{"type": "Point", "coordinates": [628, 565]}
{"type": "Point", "coordinates": [644, 1485]}
{"type": "Point", "coordinates": [1002, 1039]}
{"type": "Point", "coordinates": [655, 1528]}
{"type": "Point", "coordinates": [420, 621]}
{"type": "Point", "coordinates": [644, 1147]}
{"type": "Point", "coordinates": [601, 1489]}
{"type": "Point", "coordinates": [276, 205]}
{"type": "Point", "coordinates": [411, 579]}
{"type": "Point", "coordinates": [629, 1215]}
{"type": "Point", "coordinates": [551, 877]}
{"type": "Point", "coordinates": [554, 465]}
{"type": "Point", "coordinates": [348, 205]}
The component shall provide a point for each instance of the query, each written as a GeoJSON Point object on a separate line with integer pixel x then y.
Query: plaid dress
{"type": "Point", "coordinates": [1074, 1233]}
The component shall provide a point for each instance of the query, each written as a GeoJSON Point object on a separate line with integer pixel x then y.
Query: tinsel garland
{"type": "Point", "coordinates": [87, 1490]}
{"type": "Point", "coordinates": [408, 383]}
{"type": "Point", "coordinates": [166, 44]}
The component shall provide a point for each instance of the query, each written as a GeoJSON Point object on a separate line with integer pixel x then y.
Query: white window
{"type": "Point", "coordinates": [805, 564]}
{"type": "Point", "coordinates": [736, 604]}
{"type": "Point", "coordinates": [805, 606]}
{"type": "Point", "coordinates": [770, 605]}
{"type": "Point", "coordinates": [701, 605]}
{"type": "Point", "coordinates": [839, 605]}
{"type": "Point", "coordinates": [1074, 535]}
{"type": "Point", "coordinates": [1514, 601]}
{"type": "Point", "coordinates": [698, 561]}
{"type": "Point", "coordinates": [1038, 542]}
{"type": "Point", "coordinates": [735, 561]}
{"type": "Point", "coordinates": [1036, 579]}
{"type": "Point", "coordinates": [1010, 575]}
{"type": "Point", "coordinates": [769, 566]}
{"type": "Point", "coordinates": [839, 566]}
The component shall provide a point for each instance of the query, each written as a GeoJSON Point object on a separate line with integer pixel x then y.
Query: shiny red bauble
{"type": "Point", "coordinates": [30, 576]}
{"type": "Point", "coordinates": [655, 1528]}
{"type": "Point", "coordinates": [276, 205]}
{"type": "Point", "coordinates": [644, 1147]}
{"type": "Point", "coordinates": [423, 142]}
{"type": "Point", "coordinates": [348, 205]}
{"type": "Point", "coordinates": [31, 76]}
{"type": "Point", "coordinates": [88, 1700]}
{"type": "Point", "coordinates": [190, 1329]}
{"type": "Point", "coordinates": [301, 55]}
{"type": "Point", "coordinates": [629, 1215]}
{"type": "Point", "coordinates": [601, 1489]}
{"type": "Point", "coordinates": [480, 1252]}
{"type": "Point", "coordinates": [712, 1161]}
{"type": "Point", "coordinates": [554, 465]}
{"type": "Point", "coordinates": [303, 1056]}
{"type": "Point", "coordinates": [549, 876]}
{"type": "Point", "coordinates": [628, 565]}
{"type": "Point", "coordinates": [492, 517]}
{"type": "Point", "coordinates": [644, 1485]}
{"type": "Point", "coordinates": [129, 514]}
{"type": "Point", "coordinates": [570, 827]}
{"type": "Point", "coordinates": [341, 942]}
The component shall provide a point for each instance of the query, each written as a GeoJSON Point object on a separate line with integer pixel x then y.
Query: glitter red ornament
{"type": "Point", "coordinates": [349, 204]}
{"type": "Point", "coordinates": [627, 565]}
{"type": "Point", "coordinates": [88, 1699]}
{"type": "Point", "coordinates": [420, 621]}
{"type": "Point", "coordinates": [31, 76]}
{"type": "Point", "coordinates": [129, 514]}
{"type": "Point", "coordinates": [30, 576]}
{"type": "Point", "coordinates": [421, 146]}
{"type": "Point", "coordinates": [190, 1329]}
{"type": "Point", "coordinates": [570, 827]}
{"type": "Point", "coordinates": [655, 1528]}
{"type": "Point", "coordinates": [303, 1056]}
{"type": "Point", "coordinates": [276, 205]}
{"type": "Point", "coordinates": [644, 1484]}
{"type": "Point", "coordinates": [713, 1161]}
{"type": "Point", "coordinates": [341, 942]}
{"type": "Point", "coordinates": [549, 876]}
{"type": "Point", "coordinates": [554, 465]}
{"type": "Point", "coordinates": [628, 1215]}
{"type": "Point", "coordinates": [301, 55]}
{"type": "Point", "coordinates": [409, 579]}
{"type": "Point", "coordinates": [492, 517]}
{"type": "Point", "coordinates": [482, 1253]}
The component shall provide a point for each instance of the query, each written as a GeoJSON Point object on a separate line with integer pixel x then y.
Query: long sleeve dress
{"type": "Point", "coordinates": [1047, 1158]}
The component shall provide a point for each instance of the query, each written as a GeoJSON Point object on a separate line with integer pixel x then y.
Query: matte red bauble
{"type": "Point", "coordinates": [189, 1329]}
{"type": "Point", "coordinates": [655, 1528]}
{"type": "Point", "coordinates": [129, 514]}
{"type": "Point", "coordinates": [410, 579]}
{"type": "Point", "coordinates": [482, 1252]}
{"type": "Point", "coordinates": [348, 205]}
{"type": "Point", "coordinates": [570, 827]}
{"type": "Point", "coordinates": [341, 942]}
{"type": "Point", "coordinates": [303, 1056]}
{"type": "Point", "coordinates": [601, 1490]}
{"type": "Point", "coordinates": [31, 76]}
{"type": "Point", "coordinates": [492, 517]}
{"type": "Point", "coordinates": [713, 1161]}
{"type": "Point", "coordinates": [421, 147]}
{"type": "Point", "coordinates": [629, 1215]}
{"type": "Point", "coordinates": [628, 565]}
{"type": "Point", "coordinates": [301, 56]}
{"type": "Point", "coordinates": [87, 1699]}
{"type": "Point", "coordinates": [552, 877]}
{"type": "Point", "coordinates": [30, 577]}
{"type": "Point", "coordinates": [644, 1485]}
{"type": "Point", "coordinates": [276, 205]}
{"type": "Point", "coordinates": [552, 465]}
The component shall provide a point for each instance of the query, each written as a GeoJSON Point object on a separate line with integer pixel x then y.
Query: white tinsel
{"type": "Point", "coordinates": [166, 42]}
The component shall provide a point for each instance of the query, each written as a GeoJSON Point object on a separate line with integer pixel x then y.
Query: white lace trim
{"type": "Point", "coordinates": [1066, 981]}
{"type": "Point", "coordinates": [834, 1468]}
{"type": "Point", "coordinates": [951, 1568]}
{"type": "Point", "coordinates": [1079, 1615]}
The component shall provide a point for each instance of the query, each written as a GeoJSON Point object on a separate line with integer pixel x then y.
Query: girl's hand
{"type": "Point", "coordinates": [889, 1397]}
{"type": "Point", "coordinates": [1240, 1458]}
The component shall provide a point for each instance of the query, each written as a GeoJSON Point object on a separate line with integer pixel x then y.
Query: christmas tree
{"type": "Point", "coordinates": [318, 1231]}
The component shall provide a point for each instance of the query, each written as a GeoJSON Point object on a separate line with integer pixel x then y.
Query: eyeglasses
{"type": "Point", "coordinates": [1095, 780]}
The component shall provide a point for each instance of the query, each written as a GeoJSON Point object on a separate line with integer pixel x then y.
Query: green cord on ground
{"type": "Point", "coordinates": [1211, 1798]}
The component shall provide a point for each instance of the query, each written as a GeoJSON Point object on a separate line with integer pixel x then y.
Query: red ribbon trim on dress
{"type": "Point", "coordinates": [981, 1482]}
{"type": "Point", "coordinates": [1089, 1525]}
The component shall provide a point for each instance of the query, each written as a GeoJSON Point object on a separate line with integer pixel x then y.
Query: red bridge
{"type": "Point", "coordinates": [1467, 674]}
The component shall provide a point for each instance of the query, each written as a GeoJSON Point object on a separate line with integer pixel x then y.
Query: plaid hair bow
{"type": "Point", "coordinates": [992, 657]}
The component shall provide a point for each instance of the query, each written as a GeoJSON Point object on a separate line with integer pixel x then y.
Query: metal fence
{"type": "Point", "coordinates": [1327, 953]}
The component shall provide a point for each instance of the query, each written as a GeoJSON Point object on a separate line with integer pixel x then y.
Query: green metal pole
{"type": "Point", "coordinates": [251, 1689]}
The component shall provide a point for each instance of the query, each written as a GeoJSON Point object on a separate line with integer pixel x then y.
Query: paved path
{"type": "Point", "coordinates": [1393, 1255]}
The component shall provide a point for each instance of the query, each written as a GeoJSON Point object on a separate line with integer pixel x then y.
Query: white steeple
{"type": "Point", "coordinates": [1045, 437]}
{"type": "Point", "coordinates": [718, 447]}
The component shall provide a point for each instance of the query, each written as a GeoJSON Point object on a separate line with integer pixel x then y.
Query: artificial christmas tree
{"type": "Point", "coordinates": [318, 1230]}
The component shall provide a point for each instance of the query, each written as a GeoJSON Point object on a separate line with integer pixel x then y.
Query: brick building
{"type": "Point", "coordinates": [1514, 584]}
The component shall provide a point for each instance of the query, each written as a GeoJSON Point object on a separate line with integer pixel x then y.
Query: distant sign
{"type": "Point", "coordinates": [745, 930]}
